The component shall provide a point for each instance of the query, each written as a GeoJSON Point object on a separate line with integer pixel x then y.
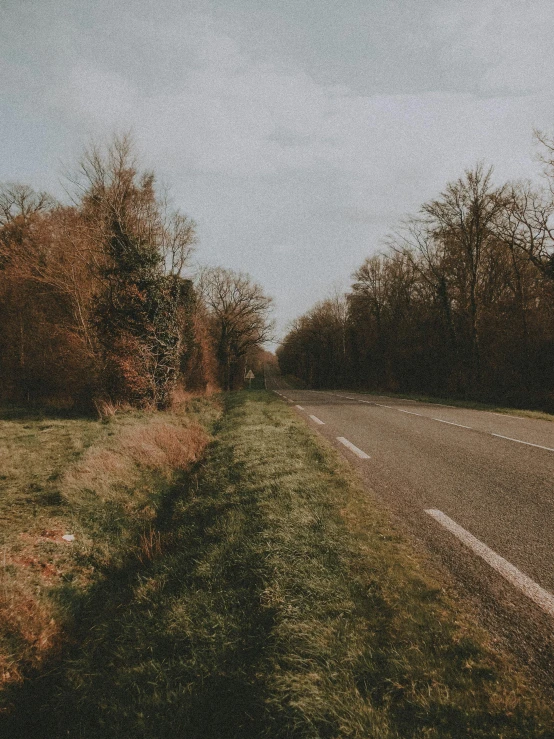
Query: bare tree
{"type": "Point", "coordinates": [431, 260]}
{"type": "Point", "coordinates": [99, 283]}
{"type": "Point", "coordinates": [44, 270]}
{"type": "Point", "coordinates": [178, 240]}
{"type": "Point", "coordinates": [21, 202]}
{"type": "Point", "coordinates": [463, 219]}
{"type": "Point", "coordinates": [20, 211]}
{"type": "Point", "coordinates": [240, 313]}
{"type": "Point", "coordinates": [526, 225]}
{"type": "Point", "coordinates": [177, 237]}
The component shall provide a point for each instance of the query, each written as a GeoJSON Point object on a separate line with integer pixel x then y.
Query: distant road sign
{"type": "Point", "coordinates": [250, 375]}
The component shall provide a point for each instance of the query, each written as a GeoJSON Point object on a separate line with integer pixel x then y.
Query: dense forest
{"type": "Point", "coordinates": [97, 306]}
{"type": "Point", "coordinates": [459, 303]}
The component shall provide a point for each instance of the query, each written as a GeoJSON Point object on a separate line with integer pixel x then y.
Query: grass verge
{"type": "Point", "coordinates": [281, 605]}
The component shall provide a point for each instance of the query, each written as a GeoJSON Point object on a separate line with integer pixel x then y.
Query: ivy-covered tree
{"type": "Point", "coordinates": [137, 310]}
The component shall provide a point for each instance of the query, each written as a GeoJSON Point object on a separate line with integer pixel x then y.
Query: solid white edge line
{"type": "Point", "coordinates": [350, 445]}
{"type": "Point", "coordinates": [530, 588]}
{"type": "Point", "coordinates": [451, 423]}
{"type": "Point", "coordinates": [527, 443]}
{"type": "Point", "coordinates": [299, 407]}
{"type": "Point", "coordinates": [317, 420]}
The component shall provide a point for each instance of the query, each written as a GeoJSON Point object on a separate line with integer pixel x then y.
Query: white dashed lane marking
{"type": "Point", "coordinates": [451, 423]}
{"type": "Point", "coordinates": [350, 445]}
{"type": "Point", "coordinates": [299, 407]}
{"type": "Point", "coordinates": [518, 579]}
{"type": "Point", "coordinates": [430, 418]}
{"type": "Point", "coordinates": [317, 420]}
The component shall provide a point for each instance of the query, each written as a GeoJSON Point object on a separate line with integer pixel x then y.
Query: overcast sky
{"type": "Point", "coordinates": [295, 133]}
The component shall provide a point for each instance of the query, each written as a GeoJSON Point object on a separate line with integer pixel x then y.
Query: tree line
{"type": "Point", "coordinates": [96, 301]}
{"type": "Point", "coordinates": [460, 302]}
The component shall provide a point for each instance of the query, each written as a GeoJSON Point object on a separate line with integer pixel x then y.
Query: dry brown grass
{"type": "Point", "coordinates": [156, 446]}
{"type": "Point", "coordinates": [180, 396]}
{"type": "Point", "coordinates": [107, 409]}
{"type": "Point", "coordinates": [28, 623]}
{"type": "Point", "coordinates": [150, 545]}
{"type": "Point", "coordinates": [97, 470]}
{"type": "Point", "coordinates": [163, 446]}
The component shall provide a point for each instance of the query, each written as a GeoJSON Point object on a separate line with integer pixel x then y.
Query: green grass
{"type": "Point", "coordinates": [279, 603]}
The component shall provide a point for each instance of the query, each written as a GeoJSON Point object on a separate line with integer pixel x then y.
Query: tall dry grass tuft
{"type": "Point", "coordinates": [163, 447]}
{"type": "Point", "coordinates": [107, 409]}
{"type": "Point", "coordinates": [150, 545]}
{"type": "Point", "coordinates": [28, 623]}
{"type": "Point", "coordinates": [157, 447]}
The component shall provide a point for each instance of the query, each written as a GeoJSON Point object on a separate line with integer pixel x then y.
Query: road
{"type": "Point", "coordinates": [474, 488]}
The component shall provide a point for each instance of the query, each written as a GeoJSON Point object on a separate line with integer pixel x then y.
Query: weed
{"type": "Point", "coordinates": [150, 545]}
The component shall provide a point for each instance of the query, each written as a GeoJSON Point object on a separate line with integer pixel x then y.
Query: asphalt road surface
{"type": "Point", "coordinates": [474, 488]}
